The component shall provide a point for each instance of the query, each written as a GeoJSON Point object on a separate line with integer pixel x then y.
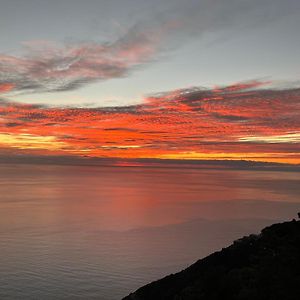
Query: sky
{"type": "Point", "coordinates": [194, 79]}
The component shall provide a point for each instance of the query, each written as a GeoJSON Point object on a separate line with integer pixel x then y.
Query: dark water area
{"type": "Point", "coordinates": [82, 232]}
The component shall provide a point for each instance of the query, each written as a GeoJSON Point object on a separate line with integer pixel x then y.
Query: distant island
{"type": "Point", "coordinates": [256, 267]}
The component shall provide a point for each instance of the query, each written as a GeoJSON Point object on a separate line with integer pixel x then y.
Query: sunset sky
{"type": "Point", "coordinates": [193, 79]}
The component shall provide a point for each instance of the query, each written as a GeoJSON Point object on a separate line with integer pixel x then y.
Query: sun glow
{"type": "Point", "coordinates": [31, 142]}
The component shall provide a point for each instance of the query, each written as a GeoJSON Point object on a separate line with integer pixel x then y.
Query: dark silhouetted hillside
{"type": "Point", "coordinates": [264, 266]}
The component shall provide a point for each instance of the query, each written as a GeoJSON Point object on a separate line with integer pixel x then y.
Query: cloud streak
{"type": "Point", "coordinates": [240, 121]}
{"type": "Point", "coordinates": [54, 69]}
{"type": "Point", "coordinates": [47, 67]}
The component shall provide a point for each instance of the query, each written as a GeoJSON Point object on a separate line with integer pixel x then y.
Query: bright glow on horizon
{"type": "Point", "coordinates": [284, 138]}
{"type": "Point", "coordinates": [30, 142]}
{"type": "Point", "coordinates": [240, 121]}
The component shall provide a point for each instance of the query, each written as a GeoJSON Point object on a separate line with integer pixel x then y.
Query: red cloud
{"type": "Point", "coordinates": [6, 87]}
{"type": "Point", "coordinates": [234, 122]}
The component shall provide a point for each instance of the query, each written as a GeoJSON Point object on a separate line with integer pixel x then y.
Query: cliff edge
{"type": "Point", "coordinates": [264, 266]}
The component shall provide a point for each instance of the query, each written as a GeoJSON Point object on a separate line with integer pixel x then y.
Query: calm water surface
{"type": "Point", "coordinates": [70, 232]}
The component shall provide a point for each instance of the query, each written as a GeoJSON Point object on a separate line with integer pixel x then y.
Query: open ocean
{"type": "Point", "coordinates": [80, 232]}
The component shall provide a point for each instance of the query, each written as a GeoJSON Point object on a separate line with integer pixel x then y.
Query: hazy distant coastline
{"type": "Point", "coordinates": [147, 162]}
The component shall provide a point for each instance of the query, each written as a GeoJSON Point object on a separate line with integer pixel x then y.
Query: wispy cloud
{"type": "Point", "coordinates": [48, 67]}
{"type": "Point", "coordinates": [243, 120]}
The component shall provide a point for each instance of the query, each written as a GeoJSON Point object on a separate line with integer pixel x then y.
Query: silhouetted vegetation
{"type": "Point", "coordinates": [264, 266]}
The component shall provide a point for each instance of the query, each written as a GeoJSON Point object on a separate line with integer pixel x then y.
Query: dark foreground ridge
{"type": "Point", "coordinates": [264, 266]}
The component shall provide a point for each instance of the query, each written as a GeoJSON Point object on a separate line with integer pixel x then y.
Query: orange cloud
{"type": "Point", "coordinates": [242, 121]}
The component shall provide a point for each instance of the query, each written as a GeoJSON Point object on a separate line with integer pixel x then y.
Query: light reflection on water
{"type": "Point", "coordinates": [71, 232]}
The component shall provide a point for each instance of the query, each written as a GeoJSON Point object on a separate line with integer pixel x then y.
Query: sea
{"type": "Point", "coordinates": [101, 232]}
